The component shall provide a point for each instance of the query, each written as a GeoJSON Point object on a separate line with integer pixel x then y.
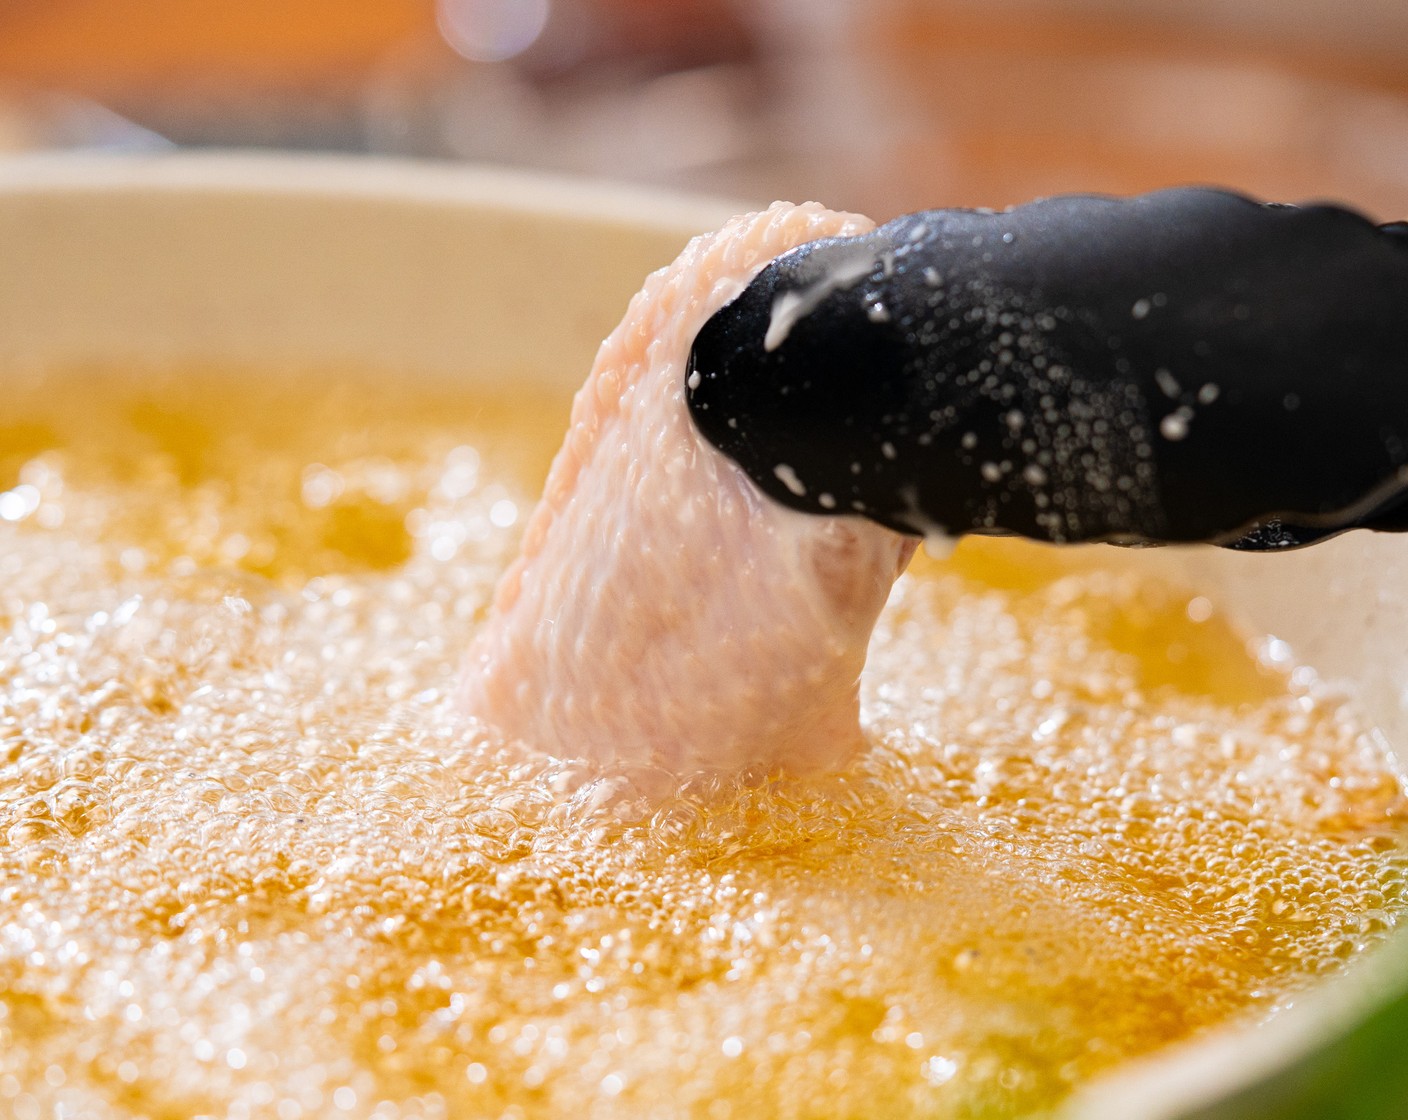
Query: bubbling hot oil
{"type": "Point", "coordinates": [253, 864]}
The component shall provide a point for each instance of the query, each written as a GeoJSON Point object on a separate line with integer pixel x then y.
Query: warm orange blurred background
{"type": "Point", "coordinates": [884, 106]}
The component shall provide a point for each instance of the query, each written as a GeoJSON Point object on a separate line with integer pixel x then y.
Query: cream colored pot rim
{"type": "Point", "coordinates": [365, 176]}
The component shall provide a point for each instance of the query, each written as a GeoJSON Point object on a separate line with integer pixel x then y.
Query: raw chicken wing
{"type": "Point", "coordinates": [663, 610]}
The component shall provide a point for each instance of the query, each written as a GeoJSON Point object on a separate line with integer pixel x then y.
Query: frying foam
{"type": "Point", "coordinates": [252, 863]}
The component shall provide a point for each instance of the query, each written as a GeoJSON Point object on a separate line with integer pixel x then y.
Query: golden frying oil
{"type": "Point", "coordinates": [252, 863]}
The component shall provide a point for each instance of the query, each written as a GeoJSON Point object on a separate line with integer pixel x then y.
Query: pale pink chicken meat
{"type": "Point", "coordinates": [663, 610]}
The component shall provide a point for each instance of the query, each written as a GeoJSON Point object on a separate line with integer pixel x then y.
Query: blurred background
{"type": "Point", "coordinates": [877, 105]}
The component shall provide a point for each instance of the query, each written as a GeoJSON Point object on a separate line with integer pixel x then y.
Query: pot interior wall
{"type": "Point", "coordinates": [1342, 606]}
{"type": "Point", "coordinates": [280, 262]}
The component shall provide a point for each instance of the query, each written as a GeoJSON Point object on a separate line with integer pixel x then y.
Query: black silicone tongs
{"type": "Point", "coordinates": [1189, 365]}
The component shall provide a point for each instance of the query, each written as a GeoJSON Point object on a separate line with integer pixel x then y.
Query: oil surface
{"type": "Point", "coordinates": [253, 864]}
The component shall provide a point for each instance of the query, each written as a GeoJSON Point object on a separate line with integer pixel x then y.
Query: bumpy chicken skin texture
{"type": "Point", "coordinates": [663, 610]}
